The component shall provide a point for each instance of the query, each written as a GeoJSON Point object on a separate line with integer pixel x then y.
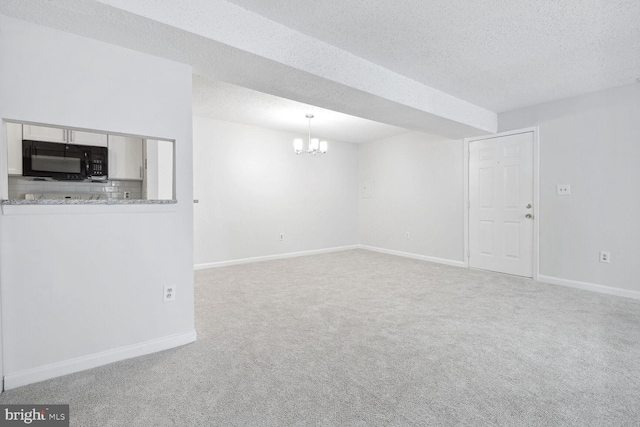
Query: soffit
{"type": "Point", "coordinates": [224, 101]}
{"type": "Point", "coordinates": [225, 42]}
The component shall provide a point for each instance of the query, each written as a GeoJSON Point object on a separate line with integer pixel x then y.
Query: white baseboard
{"type": "Point", "coordinates": [53, 370]}
{"type": "Point", "coordinates": [589, 287]}
{"type": "Point", "coordinates": [272, 257]}
{"type": "Point", "coordinates": [414, 256]}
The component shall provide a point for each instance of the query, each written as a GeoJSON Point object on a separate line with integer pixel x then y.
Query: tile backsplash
{"type": "Point", "coordinates": [113, 189]}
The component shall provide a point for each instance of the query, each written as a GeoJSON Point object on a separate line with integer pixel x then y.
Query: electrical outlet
{"type": "Point", "coordinates": [169, 293]}
{"type": "Point", "coordinates": [406, 236]}
{"type": "Point", "coordinates": [281, 237]}
{"type": "Point", "coordinates": [605, 257]}
{"type": "Point", "coordinates": [563, 189]}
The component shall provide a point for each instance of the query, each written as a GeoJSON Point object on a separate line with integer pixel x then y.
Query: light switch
{"type": "Point", "coordinates": [563, 189]}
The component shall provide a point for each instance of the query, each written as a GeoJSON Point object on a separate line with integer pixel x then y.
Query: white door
{"type": "Point", "coordinates": [501, 204]}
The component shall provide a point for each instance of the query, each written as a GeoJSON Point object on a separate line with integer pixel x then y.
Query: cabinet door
{"type": "Point", "coordinates": [87, 138]}
{"type": "Point", "coordinates": [43, 133]}
{"type": "Point", "coordinates": [158, 182]}
{"type": "Point", "coordinates": [125, 157]}
{"type": "Point", "coordinates": [14, 145]}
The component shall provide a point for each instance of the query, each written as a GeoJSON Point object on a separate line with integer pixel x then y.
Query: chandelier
{"type": "Point", "coordinates": [315, 145]}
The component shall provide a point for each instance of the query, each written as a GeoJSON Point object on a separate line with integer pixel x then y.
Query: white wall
{"type": "Point", "coordinates": [418, 188]}
{"type": "Point", "coordinates": [591, 142]}
{"type": "Point", "coordinates": [77, 285]}
{"type": "Point", "coordinates": [251, 187]}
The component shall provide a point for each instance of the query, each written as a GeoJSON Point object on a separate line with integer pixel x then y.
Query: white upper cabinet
{"type": "Point", "coordinates": [44, 133]}
{"type": "Point", "coordinates": [125, 157]}
{"type": "Point", "coordinates": [14, 146]}
{"type": "Point", "coordinates": [87, 138]}
{"type": "Point", "coordinates": [158, 182]}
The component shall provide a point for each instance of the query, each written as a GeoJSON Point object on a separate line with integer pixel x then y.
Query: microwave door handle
{"type": "Point", "coordinates": [86, 165]}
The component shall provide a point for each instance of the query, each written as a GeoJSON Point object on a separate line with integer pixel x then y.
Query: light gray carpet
{"type": "Point", "coordinates": [358, 338]}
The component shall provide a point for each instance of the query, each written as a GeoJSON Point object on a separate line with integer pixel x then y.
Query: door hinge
{"type": "Point", "coordinates": [468, 254]}
{"type": "Point", "coordinates": [468, 203]}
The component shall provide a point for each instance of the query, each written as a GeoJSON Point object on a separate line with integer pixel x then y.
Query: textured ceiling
{"type": "Point", "coordinates": [232, 103]}
{"type": "Point", "coordinates": [498, 54]}
{"type": "Point", "coordinates": [223, 41]}
{"type": "Point", "coordinates": [442, 67]}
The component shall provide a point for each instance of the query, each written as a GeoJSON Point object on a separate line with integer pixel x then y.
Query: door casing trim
{"type": "Point", "coordinates": [536, 192]}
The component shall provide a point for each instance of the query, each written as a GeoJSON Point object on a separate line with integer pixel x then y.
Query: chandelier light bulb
{"type": "Point", "coordinates": [297, 145]}
{"type": "Point", "coordinates": [323, 147]}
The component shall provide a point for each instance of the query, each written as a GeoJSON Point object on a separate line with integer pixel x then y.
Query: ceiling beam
{"type": "Point", "coordinates": [223, 41]}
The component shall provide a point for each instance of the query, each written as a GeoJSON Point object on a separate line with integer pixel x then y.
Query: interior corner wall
{"type": "Point", "coordinates": [415, 186]}
{"type": "Point", "coordinates": [252, 187]}
{"type": "Point", "coordinates": [591, 142]}
{"type": "Point", "coordinates": [77, 285]}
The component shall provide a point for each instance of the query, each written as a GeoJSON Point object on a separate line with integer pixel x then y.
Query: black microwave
{"type": "Point", "coordinates": [64, 161]}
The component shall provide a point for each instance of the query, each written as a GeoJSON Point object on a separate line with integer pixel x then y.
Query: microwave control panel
{"type": "Point", "coordinates": [98, 167]}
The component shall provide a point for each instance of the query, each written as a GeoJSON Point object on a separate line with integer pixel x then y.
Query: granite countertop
{"type": "Point", "coordinates": [87, 202]}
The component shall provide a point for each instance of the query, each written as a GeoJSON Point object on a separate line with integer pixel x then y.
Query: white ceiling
{"type": "Point", "coordinates": [498, 54]}
{"type": "Point", "coordinates": [440, 66]}
{"type": "Point", "coordinates": [224, 101]}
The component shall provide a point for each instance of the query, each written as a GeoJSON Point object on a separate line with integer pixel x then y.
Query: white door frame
{"type": "Point", "coordinates": [536, 193]}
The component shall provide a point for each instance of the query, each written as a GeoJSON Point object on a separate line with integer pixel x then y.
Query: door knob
{"type": "Point", "coordinates": [528, 206]}
{"type": "Point", "coordinates": [528, 216]}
